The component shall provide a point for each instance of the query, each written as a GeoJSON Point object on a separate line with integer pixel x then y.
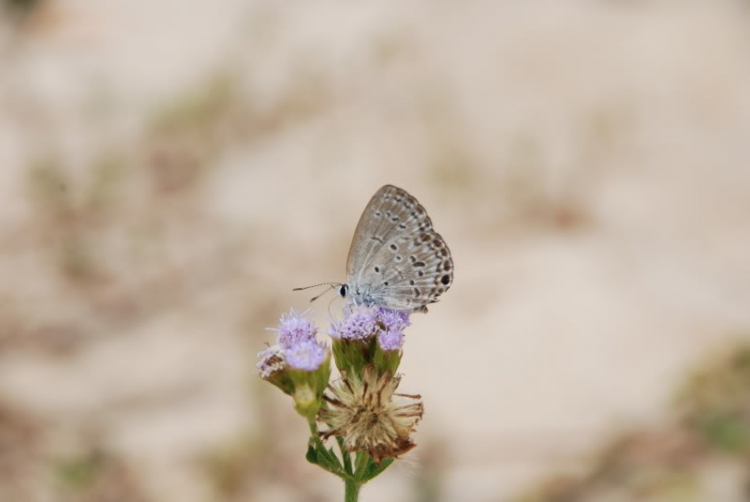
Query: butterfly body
{"type": "Point", "coordinates": [396, 259]}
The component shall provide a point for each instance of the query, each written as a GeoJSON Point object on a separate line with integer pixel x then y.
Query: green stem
{"type": "Point", "coordinates": [316, 437]}
{"type": "Point", "coordinates": [354, 483]}
{"type": "Point", "coordinates": [361, 463]}
{"type": "Point", "coordinates": [345, 456]}
{"type": "Point", "coordinates": [313, 428]}
{"type": "Point", "coordinates": [351, 493]}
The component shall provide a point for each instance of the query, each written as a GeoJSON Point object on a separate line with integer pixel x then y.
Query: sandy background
{"type": "Point", "coordinates": [170, 170]}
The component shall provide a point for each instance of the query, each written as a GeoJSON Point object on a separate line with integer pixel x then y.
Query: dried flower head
{"type": "Point", "coordinates": [370, 416]}
{"type": "Point", "coordinates": [270, 360]}
{"type": "Point", "coordinates": [272, 367]}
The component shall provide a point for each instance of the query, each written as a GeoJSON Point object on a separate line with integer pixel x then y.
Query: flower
{"type": "Point", "coordinates": [360, 323]}
{"type": "Point", "coordinates": [299, 365]}
{"type": "Point", "coordinates": [369, 336]}
{"type": "Point", "coordinates": [392, 324]}
{"type": "Point", "coordinates": [392, 339]}
{"type": "Point", "coordinates": [370, 416]}
{"type": "Point", "coordinates": [393, 319]}
{"type": "Point", "coordinates": [306, 355]}
{"type": "Point", "coordinates": [294, 327]}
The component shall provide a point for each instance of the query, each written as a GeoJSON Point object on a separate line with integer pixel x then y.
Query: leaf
{"type": "Point", "coordinates": [326, 459]}
{"type": "Point", "coordinates": [334, 459]}
{"type": "Point", "coordinates": [312, 455]}
{"type": "Point", "coordinates": [374, 469]}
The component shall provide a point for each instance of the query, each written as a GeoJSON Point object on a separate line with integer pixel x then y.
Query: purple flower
{"type": "Point", "coordinates": [359, 323]}
{"type": "Point", "coordinates": [294, 328]}
{"type": "Point", "coordinates": [270, 360]}
{"type": "Point", "coordinates": [393, 319]}
{"type": "Point", "coordinates": [306, 355]}
{"type": "Point", "coordinates": [393, 339]}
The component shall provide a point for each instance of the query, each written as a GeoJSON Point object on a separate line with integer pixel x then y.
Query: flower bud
{"type": "Point", "coordinates": [306, 402]}
{"type": "Point", "coordinates": [369, 336]}
{"type": "Point", "coordinates": [272, 368]}
{"type": "Point", "coordinates": [299, 365]}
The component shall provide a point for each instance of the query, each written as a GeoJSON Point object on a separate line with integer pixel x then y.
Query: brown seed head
{"type": "Point", "coordinates": [369, 414]}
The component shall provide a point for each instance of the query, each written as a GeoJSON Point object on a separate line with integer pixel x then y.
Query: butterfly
{"type": "Point", "coordinates": [396, 259]}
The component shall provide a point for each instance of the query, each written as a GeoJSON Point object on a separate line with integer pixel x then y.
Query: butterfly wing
{"type": "Point", "coordinates": [370, 234]}
{"type": "Point", "coordinates": [397, 260]}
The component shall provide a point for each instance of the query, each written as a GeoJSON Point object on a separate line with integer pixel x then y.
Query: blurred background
{"type": "Point", "coordinates": [170, 170]}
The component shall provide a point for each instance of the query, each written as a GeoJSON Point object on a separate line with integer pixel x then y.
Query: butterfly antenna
{"type": "Point", "coordinates": [321, 294]}
{"type": "Point", "coordinates": [331, 285]}
{"type": "Point", "coordinates": [316, 285]}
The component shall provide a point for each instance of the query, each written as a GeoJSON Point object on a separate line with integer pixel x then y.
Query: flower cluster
{"type": "Point", "coordinates": [361, 323]}
{"type": "Point", "coordinates": [369, 335]}
{"type": "Point", "coordinates": [298, 363]}
{"type": "Point", "coordinates": [362, 410]}
{"type": "Point", "coordinates": [296, 346]}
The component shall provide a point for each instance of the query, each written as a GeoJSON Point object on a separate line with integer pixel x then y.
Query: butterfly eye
{"type": "Point", "coordinates": [342, 290]}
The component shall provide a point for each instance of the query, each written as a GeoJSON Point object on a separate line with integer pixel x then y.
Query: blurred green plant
{"type": "Point", "coordinates": [715, 402]}
{"type": "Point", "coordinates": [21, 8]}
{"type": "Point", "coordinates": [231, 468]}
{"type": "Point", "coordinates": [95, 476]}
{"type": "Point", "coordinates": [674, 462]}
{"type": "Point", "coordinates": [70, 212]}
{"type": "Point", "coordinates": [198, 110]}
{"type": "Point", "coordinates": [78, 473]}
{"type": "Point", "coordinates": [60, 215]}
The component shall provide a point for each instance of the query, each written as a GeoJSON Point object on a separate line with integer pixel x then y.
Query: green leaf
{"type": "Point", "coordinates": [374, 469]}
{"type": "Point", "coordinates": [312, 455]}
{"type": "Point", "coordinates": [326, 459]}
{"type": "Point", "coordinates": [334, 459]}
{"type": "Point", "coordinates": [726, 431]}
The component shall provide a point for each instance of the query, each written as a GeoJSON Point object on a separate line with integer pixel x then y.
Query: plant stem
{"type": "Point", "coordinates": [351, 490]}
{"type": "Point", "coordinates": [361, 463]}
{"type": "Point", "coordinates": [313, 428]}
{"type": "Point", "coordinates": [316, 437]}
{"type": "Point", "coordinates": [345, 456]}
{"type": "Point", "coordinates": [354, 483]}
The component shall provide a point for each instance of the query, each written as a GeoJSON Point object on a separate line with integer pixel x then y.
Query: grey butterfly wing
{"type": "Point", "coordinates": [370, 234]}
{"type": "Point", "coordinates": [416, 272]}
{"type": "Point", "coordinates": [397, 260]}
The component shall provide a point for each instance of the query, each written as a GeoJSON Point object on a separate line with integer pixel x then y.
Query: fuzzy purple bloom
{"type": "Point", "coordinates": [393, 339]}
{"type": "Point", "coordinates": [294, 328]}
{"type": "Point", "coordinates": [393, 319]}
{"type": "Point", "coordinates": [306, 355]}
{"type": "Point", "coordinates": [360, 323]}
{"type": "Point", "coordinates": [392, 324]}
